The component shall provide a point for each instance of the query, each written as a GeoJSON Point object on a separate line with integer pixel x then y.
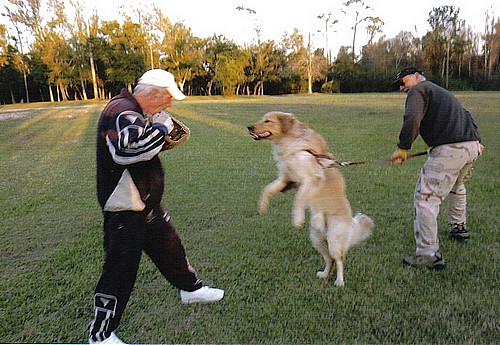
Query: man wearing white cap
{"type": "Point", "coordinates": [133, 129]}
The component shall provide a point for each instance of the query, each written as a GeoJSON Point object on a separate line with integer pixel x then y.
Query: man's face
{"type": "Point", "coordinates": [409, 81]}
{"type": "Point", "coordinates": [157, 101]}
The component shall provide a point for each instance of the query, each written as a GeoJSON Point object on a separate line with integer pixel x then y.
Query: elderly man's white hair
{"type": "Point", "coordinates": [145, 89]}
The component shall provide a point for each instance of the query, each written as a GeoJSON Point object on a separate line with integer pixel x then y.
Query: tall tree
{"type": "Point", "coordinates": [125, 56]}
{"type": "Point", "coordinates": [83, 56]}
{"type": "Point", "coordinates": [359, 17]}
{"type": "Point", "coordinates": [491, 44]}
{"type": "Point", "coordinates": [268, 61]}
{"type": "Point", "coordinates": [181, 53]}
{"type": "Point", "coordinates": [92, 32]}
{"type": "Point", "coordinates": [444, 24]}
{"type": "Point", "coordinates": [329, 22]}
{"type": "Point", "coordinates": [231, 70]}
{"type": "Point", "coordinates": [10, 69]}
{"type": "Point", "coordinates": [373, 28]}
{"type": "Point", "coordinates": [346, 71]}
{"type": "Point", "coordinates": [27, 20]}
{"type": "Point", "coordinates": [218, 51]}
{"type": "Point", "coordinates": [57, 56]}
{"type": "Point", "coordinates": [3, 45]}
{"type": "Point", "coordinates": [317, 66]}
{"type": "Point", "coordinates": [297, 60]}
{"type": "Point", "coordinates": [401, 50]}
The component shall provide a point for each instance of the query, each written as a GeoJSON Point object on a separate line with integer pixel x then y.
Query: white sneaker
{"type": "Point", "coordinates": [204, 295]}
{"type": "Point", "coordinates": [112, 339]}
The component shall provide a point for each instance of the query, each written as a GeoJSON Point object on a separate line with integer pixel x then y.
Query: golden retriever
{"type": "Point", "coordinates": [304, 161]}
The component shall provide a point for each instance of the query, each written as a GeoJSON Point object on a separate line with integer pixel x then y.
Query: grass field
{"type": "Point", "coordinates": [51, 232]}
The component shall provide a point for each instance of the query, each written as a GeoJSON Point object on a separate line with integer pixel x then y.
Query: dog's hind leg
{"type": "Point", "coordinates": [338, 244]}
{"type": "Point", "coordinates": [328, 262]}
{"type": "Point", "coordinates": [338, 254]}
{"type": "Point", "coordinates": [319, 242]}
{"type": "Point", "coordinates": [339, 263]}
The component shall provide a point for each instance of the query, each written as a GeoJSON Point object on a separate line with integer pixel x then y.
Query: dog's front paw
{"type": "Point", "coordinates": [298, 215]}
{"type": "Point", "coordinates": [339, 282]}
{"type": "Point", "coordinates": [298, 220]}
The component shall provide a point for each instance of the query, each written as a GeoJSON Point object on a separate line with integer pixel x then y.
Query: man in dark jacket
{"type": "Point", "coordinates": [454, 144]}
{"type": "Point", "coordinates": [130, 183]}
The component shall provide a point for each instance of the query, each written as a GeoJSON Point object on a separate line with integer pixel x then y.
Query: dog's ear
{"type": "Point", "coordinates": [287, 121]}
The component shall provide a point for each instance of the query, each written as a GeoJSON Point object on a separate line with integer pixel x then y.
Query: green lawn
{"type": "Point", "coordinates": [51, 235]}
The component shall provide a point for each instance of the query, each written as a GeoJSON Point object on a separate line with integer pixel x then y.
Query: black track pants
{"type": "Point", "coordinates": [126, 235]}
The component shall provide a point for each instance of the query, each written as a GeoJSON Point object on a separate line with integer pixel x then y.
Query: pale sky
{"type": "Point", "coordinates": [274, 17]}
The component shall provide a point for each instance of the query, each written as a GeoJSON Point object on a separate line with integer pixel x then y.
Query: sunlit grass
{"type": "Point", "coordinates": [51, 246]}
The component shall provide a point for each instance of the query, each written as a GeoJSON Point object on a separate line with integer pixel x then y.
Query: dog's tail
{"type": "Point", "coordinates": [363, 228]}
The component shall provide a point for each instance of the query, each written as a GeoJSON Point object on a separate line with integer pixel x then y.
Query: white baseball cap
{"type": "Point", "coordinates": [162, 78]}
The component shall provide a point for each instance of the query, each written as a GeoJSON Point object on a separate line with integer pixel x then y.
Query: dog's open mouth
{"type": "Point", "coordinates": [259, 136]}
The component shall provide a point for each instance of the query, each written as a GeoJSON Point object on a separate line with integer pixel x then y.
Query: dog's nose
{"type": "Point", "coordinates": [250, 127]}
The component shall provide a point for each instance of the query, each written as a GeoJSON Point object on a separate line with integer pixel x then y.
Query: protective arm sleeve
{"type": "Point", "coordinates": [134, 139]}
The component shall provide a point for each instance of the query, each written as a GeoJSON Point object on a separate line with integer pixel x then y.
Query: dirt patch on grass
{"type": "Point", "coordinates": [16, 114]}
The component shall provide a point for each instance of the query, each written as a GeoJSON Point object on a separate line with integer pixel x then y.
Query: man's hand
{"type": "Point", "coordinates": [399, 156]}
{"type": "Point", "coordinates": [177, 135]}
{"type": "Point", "coordinates": [163, 118]}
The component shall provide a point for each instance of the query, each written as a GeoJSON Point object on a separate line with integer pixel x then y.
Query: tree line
{"type": "Point", "coordinates": [57, 58]}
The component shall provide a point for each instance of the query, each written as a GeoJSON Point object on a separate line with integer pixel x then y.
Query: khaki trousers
{"type": "Point", "coordinates": [442, 175]}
